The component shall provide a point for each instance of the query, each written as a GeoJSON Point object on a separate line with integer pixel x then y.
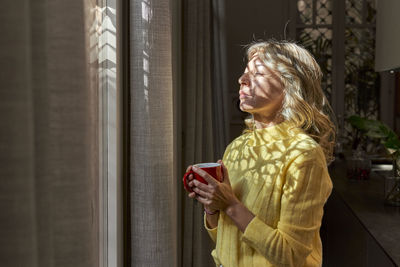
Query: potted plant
{"type": "Point", "coordinates": [390, 140]}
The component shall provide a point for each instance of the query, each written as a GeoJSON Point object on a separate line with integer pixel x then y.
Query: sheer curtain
{"type": "Point", "coordinates": [153, 180]}
{"type": "Point", "coordinates": [177, 118]}
{"type": "Point", "coordinates": [48, 137]}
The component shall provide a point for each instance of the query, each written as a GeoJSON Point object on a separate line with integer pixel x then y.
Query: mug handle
{"type": "Point", "coordinates": [187, 187]}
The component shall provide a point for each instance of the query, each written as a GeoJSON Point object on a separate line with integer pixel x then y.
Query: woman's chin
{"type": "Point", "coordinates": [244, 107]}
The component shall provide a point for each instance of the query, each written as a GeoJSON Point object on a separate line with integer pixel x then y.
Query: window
{"type": "Point", "coordinates": [104, 57]}
{"type": "Point", "coordinates": [341, 35]}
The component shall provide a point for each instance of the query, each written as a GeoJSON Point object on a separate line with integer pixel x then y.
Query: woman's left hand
{"type": "Point", "coordinates": [216, 195]}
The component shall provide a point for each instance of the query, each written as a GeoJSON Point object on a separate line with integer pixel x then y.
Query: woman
{"type": "Point", "coordinates": [269, 207]}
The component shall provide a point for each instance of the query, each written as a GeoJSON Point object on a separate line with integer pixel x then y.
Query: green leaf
{"type": "Point", "coordinates": [393, 143]}
{"type": "Point", "coordinates": [358, 122]}
{"type": "Point", "coordinates": [373, 134]}
{"type": "Point", "coordinates": [376, 129]}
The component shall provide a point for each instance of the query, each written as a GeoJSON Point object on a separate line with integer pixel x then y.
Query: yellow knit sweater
{"type": "Point", "coordinates": [281, 176]}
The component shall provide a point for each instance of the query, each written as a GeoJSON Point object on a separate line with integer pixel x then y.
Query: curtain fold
{"type": "Point", "coordinates": [221, 95]}
{"type": "Point", "coordinates": [204, 114]}
{"type": "Point", "coordinates": [48, 140]}
{"type": "Point", "coordinates": [196, 123]}
{"type": "Point", "coordinates": [165, 36]}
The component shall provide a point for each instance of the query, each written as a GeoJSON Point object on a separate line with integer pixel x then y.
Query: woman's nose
{"type": "Point", "coordinates": [244, 79]}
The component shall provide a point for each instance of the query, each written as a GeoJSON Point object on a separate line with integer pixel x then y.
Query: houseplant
{"type": "Point", "coordinates": [378, 130]}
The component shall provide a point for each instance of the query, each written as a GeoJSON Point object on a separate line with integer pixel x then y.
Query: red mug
{"type": "Point", "coordinates": [213, 169]}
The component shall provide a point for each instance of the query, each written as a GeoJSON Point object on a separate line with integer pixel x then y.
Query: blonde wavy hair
{"type": "Point", "coordinates": [304, 104]}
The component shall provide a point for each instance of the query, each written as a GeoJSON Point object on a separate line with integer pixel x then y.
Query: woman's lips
{"type": "Point", "coordinates": [243, 95]}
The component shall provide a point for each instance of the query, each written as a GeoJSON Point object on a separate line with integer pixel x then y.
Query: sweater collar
{"type": "Point", "coordinates": [281, 131]}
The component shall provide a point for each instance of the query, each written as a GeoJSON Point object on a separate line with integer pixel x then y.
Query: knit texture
{"type": "Point", "coordinates": [280, 174]}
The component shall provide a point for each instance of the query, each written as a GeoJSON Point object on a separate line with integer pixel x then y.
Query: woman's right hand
{"type": "Point", "coordinates": [190, 183]}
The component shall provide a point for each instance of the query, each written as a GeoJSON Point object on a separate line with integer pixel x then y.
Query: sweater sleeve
{"type": "Point", "coordinates": [306, 189]}
{"type": "Point", "coordinates": [212, 232]}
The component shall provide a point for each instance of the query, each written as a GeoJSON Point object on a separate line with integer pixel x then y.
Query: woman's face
{"type": "Point", "coordinates": [261, 90]}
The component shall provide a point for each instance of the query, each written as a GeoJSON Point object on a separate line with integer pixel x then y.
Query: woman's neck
{"type": "Point", "coordinates": [264, 122]}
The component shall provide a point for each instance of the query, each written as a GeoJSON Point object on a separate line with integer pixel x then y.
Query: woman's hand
{"type": "Point", "coordinates": [216, 195]}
